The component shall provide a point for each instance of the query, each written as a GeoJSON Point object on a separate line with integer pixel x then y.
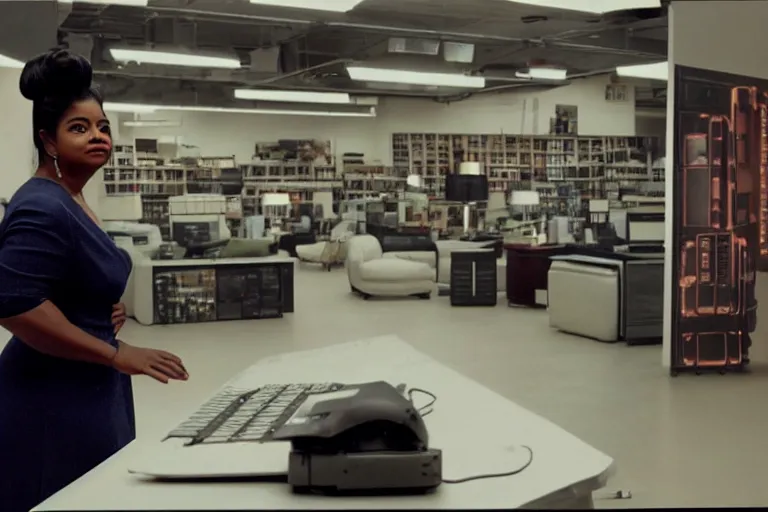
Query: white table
{"type": "Point", "coordinates": [476, 428]}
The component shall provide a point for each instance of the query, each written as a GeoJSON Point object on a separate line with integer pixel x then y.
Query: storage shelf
{"type": "Point", "coordinates": [593, 167]}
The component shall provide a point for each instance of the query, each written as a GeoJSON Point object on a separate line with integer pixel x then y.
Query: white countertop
{"type": "Point", "coordinates": [478, 430]}
{"type": "Point", "coordinates": [201, 262]}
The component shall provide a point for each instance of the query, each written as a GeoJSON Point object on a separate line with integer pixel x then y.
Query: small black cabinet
{"type": "Point", "coordinates": [473, 278]}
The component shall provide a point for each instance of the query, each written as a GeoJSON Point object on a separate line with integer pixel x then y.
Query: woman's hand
{"type": "Point", "coordinates": [118, 316]}
{"type": "Point", "coordinates": [160, 365]}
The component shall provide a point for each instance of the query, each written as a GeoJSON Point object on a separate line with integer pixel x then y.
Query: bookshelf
{"type": "Point", "coordinates": [567, 170]}
{"type": "Point", "coordinates": [365, 181]}
{"type": "Point", "coordinates": [299, 179]}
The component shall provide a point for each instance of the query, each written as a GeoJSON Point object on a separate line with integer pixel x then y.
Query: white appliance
{"type": "Point", "coordinates": [139, 241]}
{"type": "Point", "coordinates": [199, 212]}
{"type": "Point", "coordinates": [146, 238]}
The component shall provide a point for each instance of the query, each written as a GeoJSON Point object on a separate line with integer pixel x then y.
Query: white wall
{"type": "Point", "coordinates": [17, 150]}
{"type": "Point", "coordinates": [721, 36]}
{"type": "Point", "coordinates": [511, 112]}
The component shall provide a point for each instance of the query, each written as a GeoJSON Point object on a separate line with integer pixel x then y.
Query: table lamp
{"type": "Point", "coordinates": [598, 211]}
{"type": "Point", "coordinates": [468, 187]}
{"type": "Point", "coordinates": [275, 202]}
{"type": "Point", "coordinates": [415, 181]}
{"type": "Point", "coordinates": [525, 200]}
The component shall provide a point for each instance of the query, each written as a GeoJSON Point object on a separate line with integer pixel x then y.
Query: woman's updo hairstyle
{"type": "Point", "coordinates": [54, 81]}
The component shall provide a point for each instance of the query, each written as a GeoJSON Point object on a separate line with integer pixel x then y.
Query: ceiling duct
{"type": "Point", "coordinates": [266, 60]}
{"type": "Point", "coordinates": [82, 44]}
{"type": "Point", "coordinates": [173, 31]}
{"type": "Point", "coordinates": [411, 46]}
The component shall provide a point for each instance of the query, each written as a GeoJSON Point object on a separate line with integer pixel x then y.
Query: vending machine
{"type": "Point", "coordinates": [721, 156]}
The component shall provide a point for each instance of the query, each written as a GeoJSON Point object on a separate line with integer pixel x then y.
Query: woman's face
{"type": "Point", "coordinates": [83, 137]}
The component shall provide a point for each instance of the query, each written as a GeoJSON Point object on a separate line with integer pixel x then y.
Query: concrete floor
{"type": "Point", "coordinates": [678, 442]}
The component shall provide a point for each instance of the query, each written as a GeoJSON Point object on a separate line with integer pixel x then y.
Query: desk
{"type": "Point", "coordinates": [207, 284]}
{"type": "Point", "coordinates": [564, 471]}
{"type": "Point", "coordinates": [527, 271]}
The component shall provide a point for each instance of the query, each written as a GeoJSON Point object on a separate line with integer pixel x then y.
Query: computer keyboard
{"type": "Point", "coordinates": [246, 415]}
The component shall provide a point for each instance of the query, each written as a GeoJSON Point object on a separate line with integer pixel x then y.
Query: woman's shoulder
{"type": "Point", "coordinates": [40, 196]}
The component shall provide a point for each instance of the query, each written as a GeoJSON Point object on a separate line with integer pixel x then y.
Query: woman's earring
{"type": "Point", "coordinates": [56, 166]}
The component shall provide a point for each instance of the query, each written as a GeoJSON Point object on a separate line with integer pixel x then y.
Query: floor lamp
{"type": "Point", "coordinates": [275, 206]}
{"type": "Point", "coordinates": [467, 187]}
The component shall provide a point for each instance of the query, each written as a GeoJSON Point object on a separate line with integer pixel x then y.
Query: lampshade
{"type": "Point", "coordinates": [466, 188]}
{"type": "Point", "coordinates": [415, 181]}
{"type": "Point", "coordinates": [470, 169]}
{"type": "Point", "coordinates": [598, 206]}
{"type": "Point", "coordinates": [524, 198]}
{"type": "Point", "coordinates": [273, 199]}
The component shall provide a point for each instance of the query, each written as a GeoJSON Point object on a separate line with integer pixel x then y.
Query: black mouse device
{"type": "Point", "coordinates": [364, 439]}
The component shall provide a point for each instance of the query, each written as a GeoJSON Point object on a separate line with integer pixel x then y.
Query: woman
{"type": "Point", "coordinates": [66, 402]}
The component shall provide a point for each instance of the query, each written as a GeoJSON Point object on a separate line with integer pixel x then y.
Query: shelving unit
{"type": "Point", "coordinates": [364, 181]}
{"type": "Point", "coordinates": [131, 173]}
{"type": "Point", "coordinates": [567, 170]}
{"type": "Point", "coordinates": [299, 179]}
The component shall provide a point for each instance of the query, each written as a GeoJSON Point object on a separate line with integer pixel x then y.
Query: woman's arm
{"type": "Point", "coordinates": [35, 257]}
{"type": "Point", "coordinates": [47, 330]}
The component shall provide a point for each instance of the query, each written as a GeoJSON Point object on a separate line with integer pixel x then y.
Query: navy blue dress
{"type": "Point", "coordinates": [58, 418]}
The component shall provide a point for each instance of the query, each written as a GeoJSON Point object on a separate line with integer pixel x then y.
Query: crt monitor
{"type": "Point", "coordinates": [193, 233]}
{"type": "Point", "coordinates": [645, 228]}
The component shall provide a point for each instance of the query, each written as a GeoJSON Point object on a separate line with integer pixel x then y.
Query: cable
{"type": "Point", "coordinates": [494, 475]}
{"type": "Point", "coordinates": [426, 409]}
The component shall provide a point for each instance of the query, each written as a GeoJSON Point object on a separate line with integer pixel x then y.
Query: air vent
{"type": "Point", "coordinates": [413, 46]}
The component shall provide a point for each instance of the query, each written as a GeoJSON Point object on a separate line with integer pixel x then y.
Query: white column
{"type": "Point", "coordinates": [17, 151]}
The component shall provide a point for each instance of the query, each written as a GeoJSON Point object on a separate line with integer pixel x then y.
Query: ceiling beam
{"type": "Point", "coordinates": [612, 41]}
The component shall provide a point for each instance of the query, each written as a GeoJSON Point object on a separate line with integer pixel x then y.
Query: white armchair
{"type": "Point", "coordinates": [332, 252]}
{"type": "Point", "coordinates": [370, 274]}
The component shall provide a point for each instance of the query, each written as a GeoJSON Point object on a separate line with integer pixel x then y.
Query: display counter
{"type": "Point", "coordinates": [208, 290]}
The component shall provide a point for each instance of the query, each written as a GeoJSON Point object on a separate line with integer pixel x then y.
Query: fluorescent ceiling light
{"type": "Point", "coordinates": [173, 59]}
{"type": "Point", "coordinates": [8, 62]}
{"type": "Point", "coordinates": [593, 6]}
{"type": "Point", "coordinates": [336, 98]}
{"type": "Point", "coordinates": [318, 5]}
{"type": "Point", "coordinates": [398, 76]}
{"type": "Point", "coordinates": [141, 108]}
{"type": "Point", "coordinates": [136, 108]}
{"type": "Point", "coordinates": [655, 71]}
{"type": "Point", "coordinates": [137, 3]}
{"type": "Point", "coordinates": [543, 74]}
{"type": "Point", "coordinates": [152, 123]}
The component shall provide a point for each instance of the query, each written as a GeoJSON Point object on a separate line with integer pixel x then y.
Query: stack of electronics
{"type": "Point", "coordinates": [222, 293]}
{"type": "Point", "coordinates": [337, 439]}
{"type": "Point", "coordinates": [185, 296]}
{"type": "Point", "coordinates": [249, 293]}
